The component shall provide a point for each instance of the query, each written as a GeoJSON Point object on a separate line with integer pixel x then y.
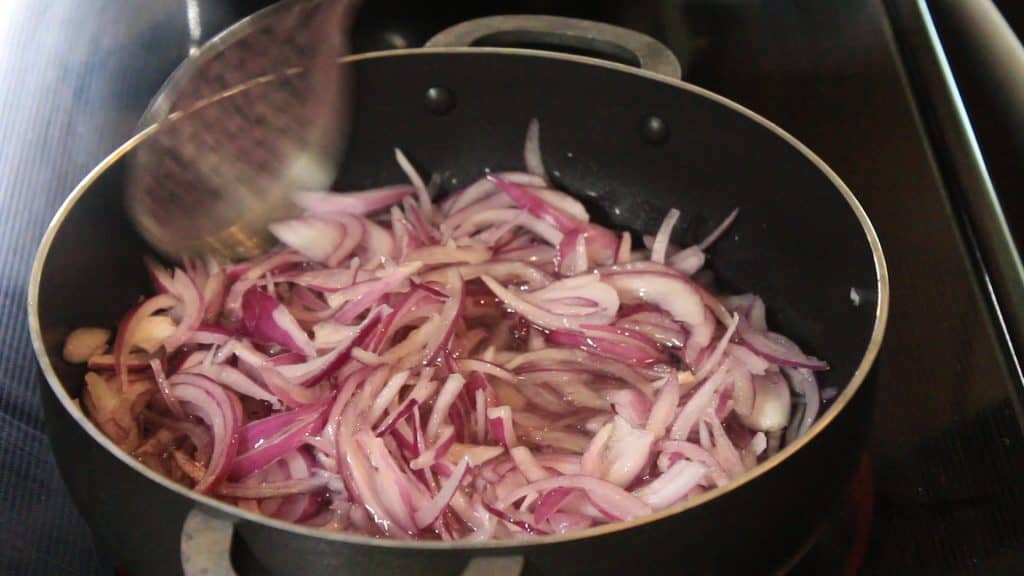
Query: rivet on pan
{"type": "Point", "coordinates": [439, 101]}
{"type": "Point", "coordinates": [655, 130]}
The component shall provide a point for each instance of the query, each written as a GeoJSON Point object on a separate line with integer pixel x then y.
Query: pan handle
{"type": "Point", "coordinates": [206, 544]}
{"type": "Point", "coordinates": [560, 34]}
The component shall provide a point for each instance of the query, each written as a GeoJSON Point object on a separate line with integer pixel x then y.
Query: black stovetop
{"type": "Point", "coordinates": [947, 456]}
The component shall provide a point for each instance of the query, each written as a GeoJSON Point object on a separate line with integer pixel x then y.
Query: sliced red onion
{"type": "Point", "coordinates": [670, 293]}
{"type": "Point", "coordinates": [428, 514]}
{"type": "Point", "coordinates": [549, 503]}
{"type": "Point", "coordinates": [530, 202]}
{"type": "Point", "coordinates": [299, 507]}
{"type": "Point", "coordinates": [664, 407]}
{"type": "Point", "coordinates": [688, 260]}
{"type": "Point", "coordinates": [126, 330]}
{"type": "Point", "coordinates": [565, 304]}
{"type": "Point", "coordinates": [499, 422]}
{"type": "Point", "coordinates": [719, 230]}
{"type": "Point", "coordinates": [655, 324]}
{"type": "Point", "coordinates": [580, 361]}
{"type": "Point", "coordinates": [272, 489]}
{"type": "Point", "coordinates": [360, 484]}
{"type": "Point", "coordinates": [222, 412]}
{"type": "Point", "coordinates": [712, 360]}
{"type": "Point", "coordinates": [472, 364]}
{"type": "Point", "coordinates": [493, 366]}
{"type": "Point", "coordinates": [318, 238]}
{"type": "Point", "coordinates": [607, 497]}
{"type": "Point", "coordinates": [422, 195]}
{"type": "Point", "coordinates": [697, 405]}
{"type": "Point", "coordinates": [449, 317]}
{"type": "Point", "coordinates": [450, 253]}
{"type": "Point", "coordinates": [572, 254]}
{"type": "Point", "coordinates": [660, 245]}
{"type": "Point", "coordinates": [445, 398]}
{"type": "Point", "coordinates": [623, 253]}
{"type": "Point", "coordinates": [388, 394]}
{"type": "Point", "coordinates": [504, 272]}
{"type": "Point", "coordinates": [632, 405]}
{"type": "Point", "coordinates": [672, 486]}
{"type": "Point", "coordinates": [531, 150]}
{"type": "Point", "coordinates": [724, 449]}
{"type": "Point", "coordinates": [562, 201]}
{"type": "Point", "coordinates": [484, 188]}
{"type": "Point", "coordinates": [373, 291]}
{"type": "Point", "coordinates": [244, 276]}
{"type": "Point", "coordinates": [804, 383]}
{"type": "Point", "coordinates": [378, 244]}
{"type": "Point", "coordinates": [439, 449]}
{"type": "Point", "coordinates": [533, 253]}
{"type": "Point", "coordinates": [234, 379]}
{"type": "Point", "coordinates": [326, 279]}
{"type": "Point", "coordinates": [165, 388]}
{"type": "Point", "coordinates": [360, 203]}
{"type": "Point", "coordinates": [515, 520]}
{"type": "Point", "coordinates": [207, 334]}
{"type": "Point", "coordinates": [619, 343]}
{"type": "Point", "coordinates": [618, 453]}
{"type": "Point", "coordinates": [777, 349]}
{"type": "Point", "coordinates": [267, 320]}
{"type": "Point", "coordinates": [531, 468]}
{"type": "Point", "coordinates": [564, 523]}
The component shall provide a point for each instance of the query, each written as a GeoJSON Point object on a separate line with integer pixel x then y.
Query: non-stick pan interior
{"type": "Point", "coordinates": [797, 242]}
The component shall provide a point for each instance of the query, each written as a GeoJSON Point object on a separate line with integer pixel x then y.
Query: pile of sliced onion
{"type": "Point", "coordinates": [494, 365]}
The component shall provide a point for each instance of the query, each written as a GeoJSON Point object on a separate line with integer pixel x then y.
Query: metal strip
{"type": "Point", "coordinates": [1001, 273]}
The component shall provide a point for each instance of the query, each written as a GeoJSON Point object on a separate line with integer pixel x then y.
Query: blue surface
{"type": "Point", "coordinates": [74, 77]}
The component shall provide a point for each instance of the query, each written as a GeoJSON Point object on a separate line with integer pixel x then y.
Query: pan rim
{"type": "Point", "coordinates": [225, 509]}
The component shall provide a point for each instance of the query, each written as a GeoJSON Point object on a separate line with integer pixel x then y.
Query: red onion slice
{"type": "Point", "coordinates": [359, 203]}
{"type": "Point", "coordinates": [661, 240]}
{"type": "Point", "coordinates": [672, 486]}
{"type": "Point", "coordinates": [267, 320]}
{"type": "Point", "coordinates": [777, 349]}
{"type": "Point", "coordinates": [428, 514]}
{"type": "Point", "coordinates": [609, 498]}
{"type": "Point", "coordinates": [531, 150]}
{"type": "Point", "coordinates": [222, 412]}
{"type": "Point", "coordinates": [499, 422]}
{"type": "Point", "coordinates": [126, 330]}
{"type": "Point", "coordinates": [530, 202]}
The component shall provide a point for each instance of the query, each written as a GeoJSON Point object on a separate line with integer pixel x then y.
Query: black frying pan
{"type": "Point", "coordinates": [630, 143]}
